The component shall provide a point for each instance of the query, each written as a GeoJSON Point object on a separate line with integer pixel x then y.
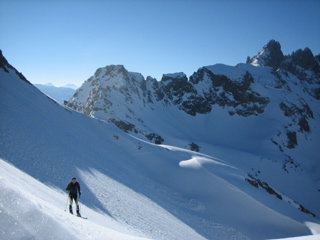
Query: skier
{"type": "Point", "coordinates": [74, 188]}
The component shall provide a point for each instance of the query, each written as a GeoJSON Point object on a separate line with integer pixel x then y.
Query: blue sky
{"type": "Point", "coordinates": [66, 41]}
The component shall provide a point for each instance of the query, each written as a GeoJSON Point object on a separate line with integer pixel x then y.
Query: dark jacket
{"type": "Point", "coordinates": [73, 188]}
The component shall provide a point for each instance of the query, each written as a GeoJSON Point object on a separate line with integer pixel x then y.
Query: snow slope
{"type": "Point", "coordinates": [131, 189]}
{"type": "Point", "coordinates": [32, 210]}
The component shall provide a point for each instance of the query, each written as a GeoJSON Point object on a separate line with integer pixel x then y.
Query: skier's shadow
{"type": "Point", "coordinates": [90, 199]}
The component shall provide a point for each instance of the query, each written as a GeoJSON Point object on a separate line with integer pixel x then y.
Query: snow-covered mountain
{"type": "Point", "coordinates": [70, 85]}
{"type": "Point", "coordinates": [60, 94]}
{"type": "Point", "coordinates": [268, 108]}
{"type": "Point", "coordinates": [217, 172]}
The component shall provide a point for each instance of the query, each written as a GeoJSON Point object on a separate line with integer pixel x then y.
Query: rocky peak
{"type": "Point", "coordinates": [111, 73]}
{"type": "Point", "coordinates": [305, 66]}
{"type": "Point", "coordinates": [270, 55]}
{"type": "Point", "coordinates": [4, 64]}
{"type": "Point", "coordinates": [301, 63]}
{"type": "Point", "coordinates": [115, 69]}
{"type": "Point", "coordinates": [305, 59]}
{"type": "Point", "coordinates": [117, 77]}
{"type": "Point", "coordinates": [151, 79]}
{"type": "Point", "coordinates": [174, 76]}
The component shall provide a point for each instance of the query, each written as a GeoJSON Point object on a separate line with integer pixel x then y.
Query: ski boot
{"type": "Point", "coordinates": [78, 211]}
{"type": "Point", "coordinates": [70, 209]}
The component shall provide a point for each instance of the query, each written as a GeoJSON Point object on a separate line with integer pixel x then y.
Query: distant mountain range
{"type": "Point", "coordinates": [60, 94]}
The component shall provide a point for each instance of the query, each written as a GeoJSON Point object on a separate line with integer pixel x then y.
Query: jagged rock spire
{"type": "Point", "coordinates": [305, 59]}
{"type": "Point", "coordinates": [270, 55]}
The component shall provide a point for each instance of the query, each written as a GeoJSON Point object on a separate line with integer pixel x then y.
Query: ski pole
{"type": "Point", "coordinates": [67, 203]}
{"type": "Point", "coordinates": [79, 203]}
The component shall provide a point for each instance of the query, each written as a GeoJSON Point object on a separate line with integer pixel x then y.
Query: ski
{"type": "Point", "coordinates": [79, 216]}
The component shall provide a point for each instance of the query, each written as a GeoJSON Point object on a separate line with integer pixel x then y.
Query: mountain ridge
{"type": "Point", "coordinates": [60, 94]}
{"type": "Point", "coordinates": [225, 86]}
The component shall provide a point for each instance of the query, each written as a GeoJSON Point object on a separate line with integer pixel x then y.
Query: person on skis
{"type": "Point", "coordinates": [74, 189]}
